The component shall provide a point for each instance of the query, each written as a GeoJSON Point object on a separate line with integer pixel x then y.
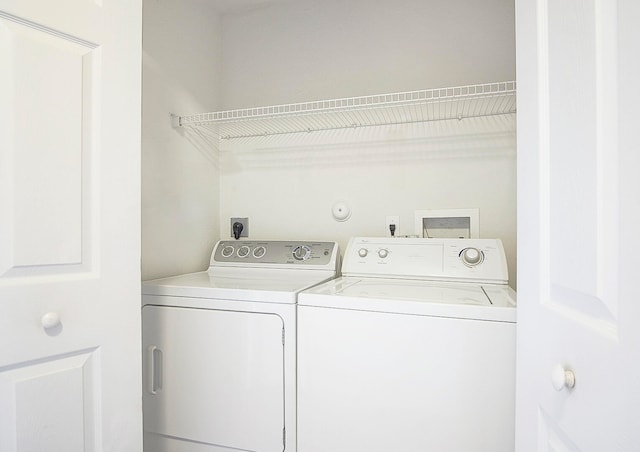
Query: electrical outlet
{"type": "Point", "coordinates": [392, 219]}
{"type": "Point", "coordinates": [244, 232]}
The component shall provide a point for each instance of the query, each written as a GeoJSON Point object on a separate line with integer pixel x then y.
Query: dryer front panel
{"type": "Point", "coordinates": [214, 377]}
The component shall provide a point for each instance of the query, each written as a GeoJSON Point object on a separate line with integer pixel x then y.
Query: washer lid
{"type": "Point", "coordinates": [441, 299]}
{"type": "Point", "coordinates": [260, 285]}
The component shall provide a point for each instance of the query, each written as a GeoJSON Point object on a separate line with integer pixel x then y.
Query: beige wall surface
{"type": "Point", "coordinates": [197, 60]}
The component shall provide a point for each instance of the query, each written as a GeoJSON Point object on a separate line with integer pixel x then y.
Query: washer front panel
{"type": "Point", "coordinates": [377, 382]}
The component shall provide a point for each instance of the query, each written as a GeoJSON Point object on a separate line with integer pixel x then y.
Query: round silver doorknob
{"type": "Point", "coordinates": [562, 378]}
{"type": "Point", "coordinates": [50, 320]}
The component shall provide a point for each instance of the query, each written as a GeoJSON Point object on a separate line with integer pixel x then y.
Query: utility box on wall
{"type": "Point", "coordinates": [448, 223]}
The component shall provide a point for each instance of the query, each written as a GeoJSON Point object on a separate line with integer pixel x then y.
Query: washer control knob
{"type": "Point", "coordinates": [227, 251]}
{"type": "Point", "coordinates": [362, 252]}
{"type": "Point", "coordinates": [244, 251]}
{"type": "Point", "coordinates": [301, 253]}
{"type": "Point", "coordinates": [383, 253]}
{"type": "Point", "coordinates": [471, 257]}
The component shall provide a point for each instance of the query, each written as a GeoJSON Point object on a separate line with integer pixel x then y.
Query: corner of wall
{"type": "Point", "coordinates": [180, 173]}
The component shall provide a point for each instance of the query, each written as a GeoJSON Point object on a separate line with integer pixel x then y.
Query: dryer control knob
{"type": "Point", "coordinates": [383, 253]}
{"type": "Point", "coordinates": [362, 252]}
{"type": "Point", "coordinates": [471, 256]}
{"type": "Point", "coordinates": [259, 252]}
{"type": "Point", "coordinates": [227, 251]}
{"type": "Point", "coordinates": [301, 253]}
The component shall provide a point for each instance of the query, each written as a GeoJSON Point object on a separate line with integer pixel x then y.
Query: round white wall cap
{"type": "Point", "coordinates": [341, 211]}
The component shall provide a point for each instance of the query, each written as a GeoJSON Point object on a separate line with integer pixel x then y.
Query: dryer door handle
{"type": "Point", "coordinates": [154, 369]}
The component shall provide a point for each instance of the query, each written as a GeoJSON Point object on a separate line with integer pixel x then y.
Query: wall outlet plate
{"type": "Point", "coordinates": [392, 219]}
{"type": "Point", "coordinates": [245, 226]}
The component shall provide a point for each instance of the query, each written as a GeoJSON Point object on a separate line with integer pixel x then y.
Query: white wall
{"type": "Point", "coordinates": [180, 174]}
{"type": "Point", "coordinates": [318, 49]}
{"type": "Point", "coordinates": [325, 49]}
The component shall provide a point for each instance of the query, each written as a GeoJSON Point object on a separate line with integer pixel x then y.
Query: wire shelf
{"type": "Point", "coordinates": [438, 104]}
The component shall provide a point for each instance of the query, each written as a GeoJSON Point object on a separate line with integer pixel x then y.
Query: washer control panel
{"type": "Point", "coordinates": [271, 252]}
{"type": "Point", "coordinates": [424, 258]}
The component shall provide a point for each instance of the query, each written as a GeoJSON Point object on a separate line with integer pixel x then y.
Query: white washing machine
{"type": "Point", "coordinates": [220, 348]}
{"type": "Point", "coordinates": [412, 350]}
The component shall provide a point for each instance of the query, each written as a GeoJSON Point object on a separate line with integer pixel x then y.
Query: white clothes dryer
{"type": "Point", "coordinates": [220, 348]}
{"type": "Point", "coordinates": [412, 350]}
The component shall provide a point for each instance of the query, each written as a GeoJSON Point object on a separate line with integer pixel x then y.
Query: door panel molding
{"type": "Point", "coordinates": [61, 392]}
{"type": "Point", "coordinates": [49, 195]}
{"type": "Point", "coordinates": [578, 223]}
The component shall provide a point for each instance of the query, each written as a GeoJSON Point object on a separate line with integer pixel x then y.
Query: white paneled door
{"type": "Point", "coordinates": [69, 225]}
{"type": "Point", "coordinates": [578, 384]}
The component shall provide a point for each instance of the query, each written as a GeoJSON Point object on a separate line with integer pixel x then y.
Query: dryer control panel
{"type": "Point", "coordinates": [477, 260]}
{"type": "Point", "coordinates": [275, 253]}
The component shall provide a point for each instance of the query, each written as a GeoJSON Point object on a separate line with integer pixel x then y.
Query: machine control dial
{"type": "Point", "coordinates": [382, 253]}
{"type": "Point", "coordinates": [228, 251]}
{"type": "Point", "coordinates": [244, 251]}
{"type": "Point", "coordinates": [471, 257]}
{"type": "Point", "coordinates": [301, 253]}
{"type": "Point", "coordinates": [259, 251]}
{"type": "Point", "coordinates": [362, 252]}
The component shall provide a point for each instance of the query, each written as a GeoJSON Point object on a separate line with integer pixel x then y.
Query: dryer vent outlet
{"type": "Point", "coordinates": [239, 227]}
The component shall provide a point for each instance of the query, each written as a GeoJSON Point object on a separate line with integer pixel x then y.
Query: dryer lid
{"type": "Point", "coordinates": [242, 284]}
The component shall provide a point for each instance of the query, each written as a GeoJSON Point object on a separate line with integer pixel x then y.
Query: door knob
{"type": "Point", "coordinates": [562, 378]}
{"type": "Point", "coordinates": [50, 320]}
